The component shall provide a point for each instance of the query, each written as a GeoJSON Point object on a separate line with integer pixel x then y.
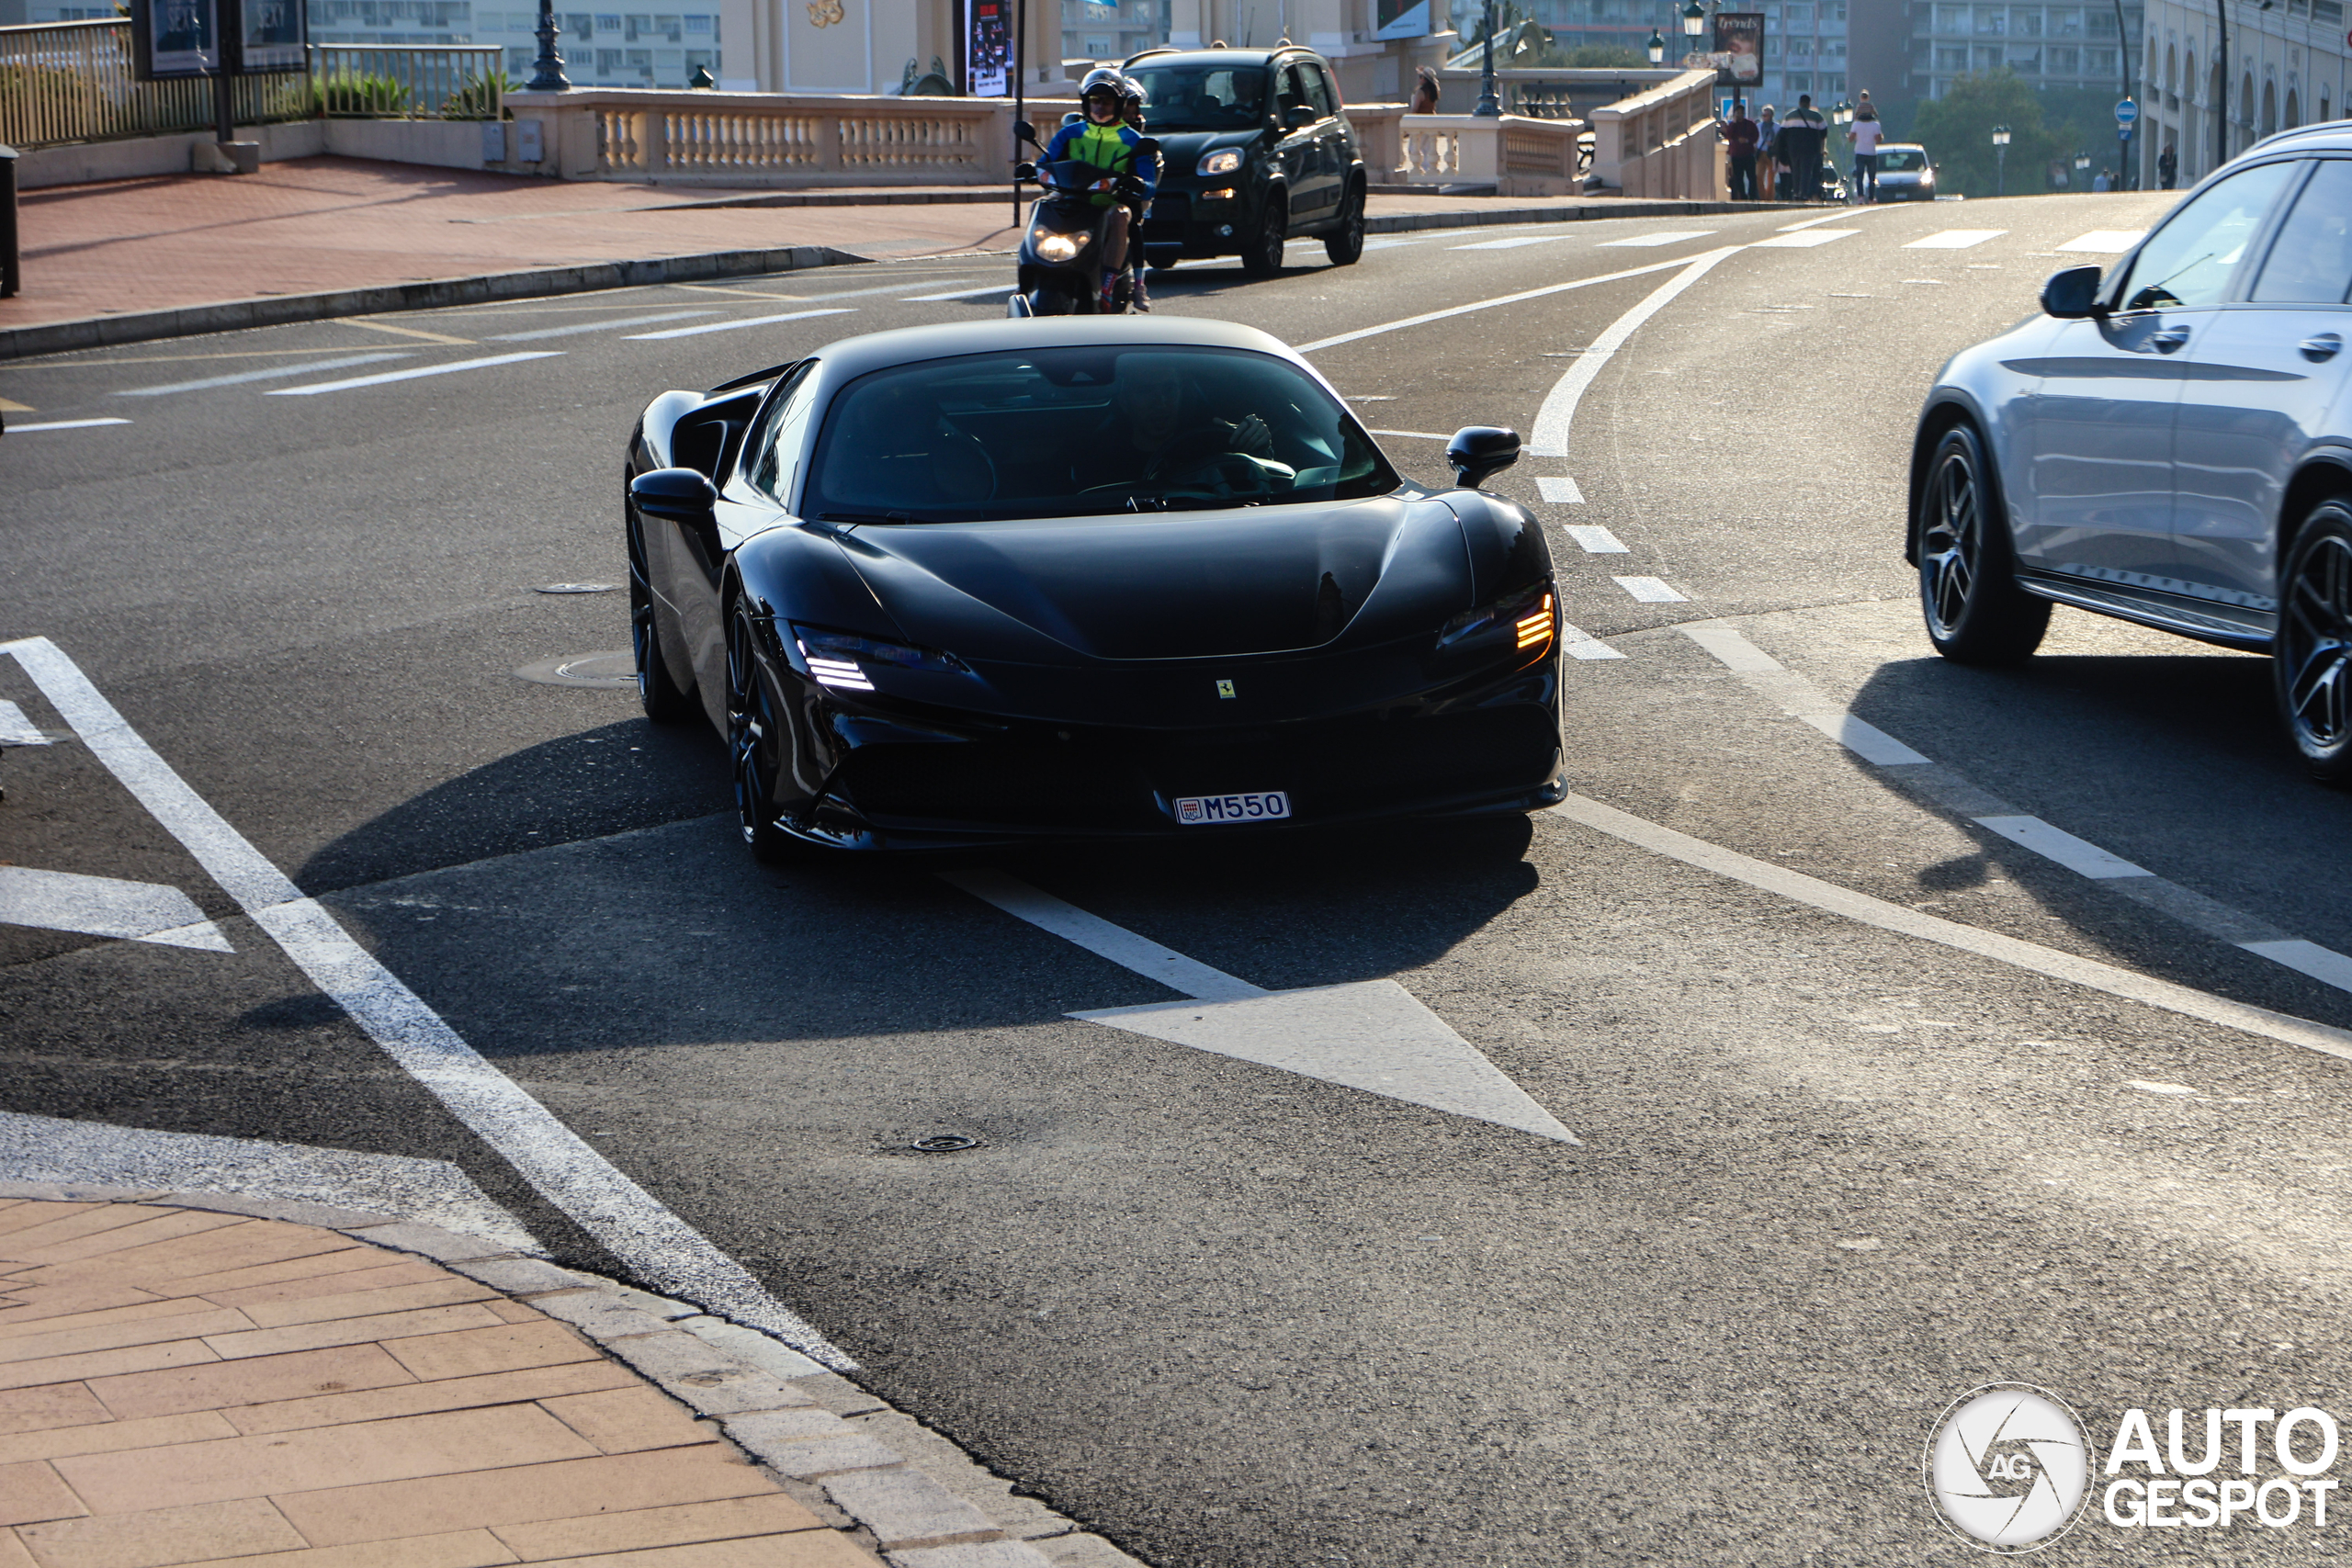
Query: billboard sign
{"type": "Point", "coordinates": [1741, 35]}
{"type": "Point", "coordinates": [988, 48]}
{"type": "Point", "coordinates": [175, 37]}
{"type": "Point", "coordinates": [273, 35]}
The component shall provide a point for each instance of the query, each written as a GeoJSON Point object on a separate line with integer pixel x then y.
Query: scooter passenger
{"type": "Point", "coordinates": [1104, 141]}
{"type": "Point", "coordinates": [1138, 208]}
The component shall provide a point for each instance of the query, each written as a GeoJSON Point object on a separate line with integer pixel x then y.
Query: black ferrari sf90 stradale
{"type": "Point", "coordinates": [1100, 577]}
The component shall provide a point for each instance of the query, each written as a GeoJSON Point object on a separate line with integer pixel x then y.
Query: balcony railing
{"type": "Point", "coordinates": [67, 81]}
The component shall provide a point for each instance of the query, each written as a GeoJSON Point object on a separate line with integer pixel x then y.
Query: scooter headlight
{"type": "Point", "coordinates": [1061, 247]}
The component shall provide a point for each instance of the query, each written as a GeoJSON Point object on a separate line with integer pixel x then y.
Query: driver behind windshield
{"type": "Point", "coordinates": [1104, 141]}
{"type": "Point", "coordinates": [1154, 432]}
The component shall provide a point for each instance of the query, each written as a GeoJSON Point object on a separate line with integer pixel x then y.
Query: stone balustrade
{"type": "Point", "coordinates": [1517, 156]}
{"type": "Point", "coordinates": [1662, 142]}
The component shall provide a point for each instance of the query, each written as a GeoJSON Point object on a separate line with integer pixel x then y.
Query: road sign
{"type": "Point", "coordinates": [2127, 114]}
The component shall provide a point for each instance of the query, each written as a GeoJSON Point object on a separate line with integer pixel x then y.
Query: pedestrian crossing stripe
{"type": "Point", "coordinates": [2105, 242]}
{"type": "Point", "coordinates": [1955, 239]}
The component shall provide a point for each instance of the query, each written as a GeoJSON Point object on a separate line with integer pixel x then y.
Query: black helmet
{"type": "Point", "coordinates": [1101, 79]}
{"type": "Point", "coordinates": [1131, 90]}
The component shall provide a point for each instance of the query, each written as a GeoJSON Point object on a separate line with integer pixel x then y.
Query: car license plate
{"type": "Point", "coordinates": [1264, 805]}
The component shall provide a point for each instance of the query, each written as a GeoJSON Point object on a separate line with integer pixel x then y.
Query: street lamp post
{"type": "Point", "coordinates": [2082, 170]}
{"type": "Point", "coordinates": [1694, 24]}
{"type": "Point", "coordinates": [1657, 47]}
{"type": "Point", "coordinates": [1488, 107]}
{"type": "Point", "coordinates": [546, 72]}
{"type": "Point", "coordinates": [2001, 156]}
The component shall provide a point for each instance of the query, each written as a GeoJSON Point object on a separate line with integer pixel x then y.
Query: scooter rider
{"type": "Point", "coordinates": [1103, 140]}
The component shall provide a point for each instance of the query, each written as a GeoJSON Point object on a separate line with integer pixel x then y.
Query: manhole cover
{"type": "Point", "coordinates": [578, 588]}
{"type": "Point", "coordinates": [943, 1144]}
{"type": "Point", "coordinates": [597, 671]}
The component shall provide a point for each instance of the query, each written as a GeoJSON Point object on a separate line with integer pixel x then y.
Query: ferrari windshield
{"type": "Point", "coordinates": [1203, 98]}
{"type": "Point", "coordinates": [1086, 432]}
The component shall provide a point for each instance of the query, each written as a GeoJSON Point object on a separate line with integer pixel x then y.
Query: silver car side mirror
{"type": "Point", "coordinates": [2073, 294]}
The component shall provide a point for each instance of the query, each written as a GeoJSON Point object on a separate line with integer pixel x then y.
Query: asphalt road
{"type": "Point", "coordinates": [1831, 1176]}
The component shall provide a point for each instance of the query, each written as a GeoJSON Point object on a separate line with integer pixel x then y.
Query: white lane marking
{"type": "Point", "coordinates": [17, 729]}
{"type": "Point", "coordinates": [1373, 1035]}
{"type": "Point", "coordinates": [63, 424]}
{"type": "Point", "coordinates": [47, 1148]}
{"type": "Point", "coordinates": [1391, 244]}
{"type": "Point", "coordinates": [414, 374]}
{"type": "Point", "coordinates": [1806, 239]}
{"type": "Point", "coordinates": [1801, 700]}
{"type": "Point", "coordinates": [1409, 435]}
{"type": "Point", "coordinates": [272, 373]}
{"type": "Point", "coordinates": [627, 1220]}
{"type": "Point", "coordinates": [853, 293]}
{"type": "Point", "coordinates": [1866, 910]}
{"type": "Point", "coordinates": [1488, 305]}
{"type": "Point", "coordinates": [2145, 1086]}
{"type": "Point", "coordinates": [609, 326]}
{"type": "Point", "coordinates": [1930, 282]}
{"type": "Point", "coordinates": [1514, 242]}
{"type": "Point", "coordinates": [1595, 540]}
{"type": "Point", "coordinates": [1828, 217]}
{"type": "Point", "coordinates": [1955, 239]}
{"type": "Point", "coordinates": [1550, 437]}
{"type": "Point", "coordinates": [2078, 855]}
{"type": "Point", "coordinates": [958, 293]}
{"type": "Point", "coordinates": [1560, 491]}
{"type": "Point", "coordinates": [1649, 590]}
{"type": "Point", "coordinates": [2104, 242]}
{"type": "Point", "coordinates": [731, 326]}
{"type": "Point", "coordinates": [1643, 241]}
{"type": "Point", "coordinates": [105, 906]}
{"type": "Point", "coordinates": [1123, 947]}
{"type": "Point", "coordinates": [2322, 964]}
{"type": "Point", "coordinates": [1579, 644]}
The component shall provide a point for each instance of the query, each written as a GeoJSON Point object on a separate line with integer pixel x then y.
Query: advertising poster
{"type": "Point", "coordinates": [1740, 34]}
{"type": "Point", "coordinates": [274, 36]}
{"type": "Point", "coordinates": [176, 37]}
{"type": "Point", "coordinates": [988, 48]}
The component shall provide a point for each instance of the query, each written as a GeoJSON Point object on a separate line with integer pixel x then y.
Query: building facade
{"type": "Point", "coordinates": [2286, 66]}
{"type": "Point", "coordinates": [2047, 46]}
{"type": "Point", "coordinates": [1371, 69]}
{"type": "Point", "coordinates": [1112, 30]}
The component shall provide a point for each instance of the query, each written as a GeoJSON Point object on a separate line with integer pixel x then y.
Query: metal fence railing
{"type": "Point", "coordinates": [67, 81]}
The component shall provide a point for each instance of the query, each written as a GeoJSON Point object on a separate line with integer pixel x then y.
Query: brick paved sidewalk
{"type": "Point", "coordinates": [180, 1385]}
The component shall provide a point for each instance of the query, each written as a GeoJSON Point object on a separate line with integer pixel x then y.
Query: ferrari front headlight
{"type": "Point", "coordinates": [1529, 616]}
{"type": "Point", "coordinates": [1054, 247]}
{"type": "Point", "coordinates": [1224, 161]}
{"type": "Point", "coordinates": [839, 658]}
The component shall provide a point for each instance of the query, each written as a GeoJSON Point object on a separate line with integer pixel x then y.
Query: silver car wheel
{"type": "Point", "coordinates": [2315, 644]}
{"type": "Point", "coordinates": [1952, 541]}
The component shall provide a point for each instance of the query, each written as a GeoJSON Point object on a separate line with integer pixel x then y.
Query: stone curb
{"type": "Point", "coordinates": [834, 1447]}
{"type": "Point", "coordinates": [144, 326]}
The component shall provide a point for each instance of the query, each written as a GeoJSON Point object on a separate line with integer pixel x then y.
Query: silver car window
{"type": "Point", "coordinates": [2190, 260]}
{"type": "Point", "coordinates": [2311, 261]}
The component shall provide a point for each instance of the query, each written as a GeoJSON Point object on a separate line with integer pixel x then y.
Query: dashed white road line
{"type": "Point", "coordinates": [608, 326]}
{"type": "Point", "coordinates": [627, 1220]}
{"type": "Point", "coordinates": [1955, 240]}
{"type": "Point", "coordinates": [737, 325]}
{"type": "Point", "coordinates": [1649, 590]}
{"type": "Point", "coordinates": [2104, 242]}
{"type": "Point", "coordinates": [1560, 491]}
{"type": "Point", "coordinates": [1098, 936]}
{"type": "Point", "coordinates": [307, 368]}
{"type": "Point", "coordinates": [1805, 239]}
{"type": "Point", "coordinates": [63, 424]}
{"type": "Point", "coordinates": [1515, 241]}
{"type": "Point", "coordinates": [1946, 789]}
{"type": "Point", "coordinates": [414, 374]}
{"type": "Point", "coordinates": [1595, 540]}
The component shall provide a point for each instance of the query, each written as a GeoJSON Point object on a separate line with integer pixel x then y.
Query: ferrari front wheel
{"type": "Point", "coordinates": [756, 738]}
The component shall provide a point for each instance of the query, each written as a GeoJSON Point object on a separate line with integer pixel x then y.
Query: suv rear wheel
{"type": "Point", "coordinates": [2311, 655]}
{"type": "Point", "coordinates": [1976, 613]}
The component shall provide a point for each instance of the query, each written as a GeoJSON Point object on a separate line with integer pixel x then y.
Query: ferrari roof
{"type": "Point", "coordinates": [905, 346]}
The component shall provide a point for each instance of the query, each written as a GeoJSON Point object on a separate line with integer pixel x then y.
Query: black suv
{"type": "Point", "coordinates": [1254, 148]}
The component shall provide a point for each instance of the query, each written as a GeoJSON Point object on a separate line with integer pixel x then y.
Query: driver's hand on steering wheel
{"type": "Point", "coordinates": [1252, 437]}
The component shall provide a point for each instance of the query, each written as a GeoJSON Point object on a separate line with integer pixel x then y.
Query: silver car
{"type": "Point", "coordinates": [1904, 173]}
{"type": "Point", "coordinates": [2169, 444]}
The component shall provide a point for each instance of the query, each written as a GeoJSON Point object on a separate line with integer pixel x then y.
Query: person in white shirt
{"type": "Point", "coordinates": [1865, 135]}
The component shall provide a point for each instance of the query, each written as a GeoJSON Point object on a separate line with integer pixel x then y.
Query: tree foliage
{"type": "Point", "coordinates": [1957, 130]}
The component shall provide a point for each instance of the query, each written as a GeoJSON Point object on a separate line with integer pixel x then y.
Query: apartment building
{"type": "Point", "coordinates": [1112, 29]}
{"type": "Point", "coordinates": [2286, 66]}
{"type": "Point", "coordinates": [2047, 46]}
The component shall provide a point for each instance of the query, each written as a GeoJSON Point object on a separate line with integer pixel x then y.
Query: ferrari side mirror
{"type": "Point", "coordinates": [676, 495]}
{"type": "Point", "coordinates": [2072, 294]}
{"type": "Point", "coordinates": [1478, 451]}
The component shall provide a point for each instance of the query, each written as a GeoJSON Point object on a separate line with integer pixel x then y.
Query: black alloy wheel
{"type": "Point", "coordinates": [1344, 244]}
{"type": "Point", "coordinates": [1976, 613]}
{"type": "Point", "coordinates": [756, 737]}
{"type": "Point", "coordinates": [2311, 655]}
{"type": "Point", "coordinates": [1262, 248]}
{"type": "Point", "coordinates": [657, 691]}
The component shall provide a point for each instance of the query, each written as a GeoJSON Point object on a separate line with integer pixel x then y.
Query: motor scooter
{"type": "Point", "coordinates": [1061, 263]}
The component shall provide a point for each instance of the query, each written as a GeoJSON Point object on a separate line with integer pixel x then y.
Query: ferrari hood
{"type": "Point", "coordinates": [1185, 585]}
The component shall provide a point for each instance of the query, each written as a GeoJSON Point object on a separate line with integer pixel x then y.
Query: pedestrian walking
{"type": "Point", "coordinates": [1768, 156]}
{"type": "Point", "coordinates": [1740, 136]}
{"type": "Point", "coordinates": [1425, 93]}
{"type": "Point", "coordinates": [2106, 181]}
{"type": "Point", "coordinates": [1805, 136]}
{"type": "Point", "coordinates": [1864, 134]}
{"type": "Point", "coordinates": [2167, 166]}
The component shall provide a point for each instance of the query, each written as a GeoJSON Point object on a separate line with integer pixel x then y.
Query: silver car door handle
{"type": "Point", "coordinates": [2326, 345]}
{"type": "Point", "coordinates": [2169, 339]}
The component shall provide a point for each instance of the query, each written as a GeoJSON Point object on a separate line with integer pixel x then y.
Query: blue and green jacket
{"type": "Point", "coordinates": [1110, 148]}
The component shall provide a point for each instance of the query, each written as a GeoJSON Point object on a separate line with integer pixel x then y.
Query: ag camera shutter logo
{"type": "Point", "coordinates": [2009, 1467]}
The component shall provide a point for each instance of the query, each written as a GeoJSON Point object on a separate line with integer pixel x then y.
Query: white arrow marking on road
{"type": "Point", "coordinates": [1806, 239]}
{"type": "Point", "coordinates": [102, 905]}
{"type": "Point", "coordinates": [16, 730]}
{"type": "Point", "coordinates": [1955, 239]}
{"type": "Point", "coordinates": [731, 326]}
{"type": "Point", "coordinates": [1550, 438]}
{"type": "Point", "coordinates": [2105, 242]}
{"type": "Point", "coordinates": [421, 370]}
{"type": "Point", "coordinates": [1371, 1035]}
